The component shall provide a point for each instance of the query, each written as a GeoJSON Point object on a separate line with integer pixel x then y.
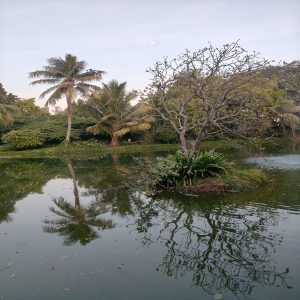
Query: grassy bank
{"type": "Point", "coordinates": [95, 149]}
{"type": "Point", "coordinates": [234, 181]}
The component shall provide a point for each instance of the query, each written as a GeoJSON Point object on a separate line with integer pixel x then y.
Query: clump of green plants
{"type": "Point", "coordinates": [197, 172]}
{"type": "Point", "coordinates": [239, 180]}
{"type": "Point", "coordinates": [186, 169]}
{"type": "Point", "coordinates": [24, 139]}
{"type": "Point", "coordinates": [30, 133]}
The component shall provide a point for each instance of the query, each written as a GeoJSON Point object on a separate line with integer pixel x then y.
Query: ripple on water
{"type": "Point", "coordinates": [284, 162]}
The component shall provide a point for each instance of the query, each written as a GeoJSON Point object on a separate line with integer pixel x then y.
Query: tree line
{"type": "Point", "coordinates": [211, 93]}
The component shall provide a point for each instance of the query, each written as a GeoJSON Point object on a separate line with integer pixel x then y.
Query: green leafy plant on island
{"type": "Point", "coordinates": [187, 168]}
{"type": "Point", "coordinates": [202, 171]}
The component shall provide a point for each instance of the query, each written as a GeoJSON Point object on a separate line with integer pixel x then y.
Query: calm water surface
{"type": "Point", "coordinates": [73, 229]}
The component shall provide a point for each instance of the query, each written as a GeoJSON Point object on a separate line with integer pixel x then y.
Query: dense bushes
{"type": "Point", "coordinates": [24, 139]}
{"type": "Point", "coordinates": [188, 168]}
{"type": "Point", "coordinates": [34, 132]}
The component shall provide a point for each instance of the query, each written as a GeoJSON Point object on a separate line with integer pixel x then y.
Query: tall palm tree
{"type": "Point", "coordinates": [68, 78]}
{"type": "Point", "coordinates": [115, 115]}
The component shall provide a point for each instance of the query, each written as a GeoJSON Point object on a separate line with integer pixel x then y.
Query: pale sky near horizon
{"type": "Point", "coordinates": [125, 37]}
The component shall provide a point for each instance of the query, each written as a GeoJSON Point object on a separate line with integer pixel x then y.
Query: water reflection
{"type": "Point", "coordinates": [283, 162]}
{"type": "Point", "coordinates": [20, 177]}
{"type": "Point", "coordinates": [112, 186]}
{"type": "Point", "coordinates": [223, 244]}
{"type": "Point", "coordinates": [223, 247]}
{"type": "Point", "coordinates": [76, 222]}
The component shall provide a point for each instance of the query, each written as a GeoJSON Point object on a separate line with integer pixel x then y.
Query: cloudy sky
{"type": "Point", "coordinates": [125, 37]}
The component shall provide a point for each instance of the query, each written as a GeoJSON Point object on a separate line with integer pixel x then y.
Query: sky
{"type": "Point", "coordinates": [126, 37]}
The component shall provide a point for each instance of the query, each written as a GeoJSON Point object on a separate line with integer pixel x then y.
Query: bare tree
{"type": "Point", "coordinates": [201, 92]}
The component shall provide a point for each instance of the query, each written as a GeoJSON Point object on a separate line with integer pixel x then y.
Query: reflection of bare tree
{"type": "Point", "coordinates": [76, 222]}
{"type": "Point", "coordinates": [225, 248]}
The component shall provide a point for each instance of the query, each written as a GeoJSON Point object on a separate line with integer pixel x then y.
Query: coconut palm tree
{"type": "Point", "coordinates": [68, 78]}
{"type": "Point", "coordinates": [115, 115]}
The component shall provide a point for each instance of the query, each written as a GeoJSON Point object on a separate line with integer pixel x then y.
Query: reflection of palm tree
{"type": "Point", "coordinates": [76, 222]}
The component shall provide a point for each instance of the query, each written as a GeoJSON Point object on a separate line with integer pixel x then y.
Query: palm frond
{"type": "Point", "coordinates": [45, 81]}
{"type": "Point", "coordinates": [55, 96]}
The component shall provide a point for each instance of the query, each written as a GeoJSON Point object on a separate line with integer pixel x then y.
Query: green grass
{"type": "Point", "coordinates": [90, 149]}
{"type": "Point", "coordinates": [240, 180]}
{"type": "Point", "coordinates": [84, 149]}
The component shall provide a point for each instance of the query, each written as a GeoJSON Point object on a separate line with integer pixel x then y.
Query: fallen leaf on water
{"type": "Point", "coordinates": [67, 289]}
{"type": "Point", "coordinates": [12, 275]}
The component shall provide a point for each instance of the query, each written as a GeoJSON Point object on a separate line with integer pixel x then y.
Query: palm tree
{"type": "Point", "coordinates": [68, 78]}
{"type": "Point", "coordinates": [115, 115]}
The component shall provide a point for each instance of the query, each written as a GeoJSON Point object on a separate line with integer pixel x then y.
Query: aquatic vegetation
{"type": "Point", "coordinates": [187, 168]}
{"type": "Point", "coordinates": [202, 172]}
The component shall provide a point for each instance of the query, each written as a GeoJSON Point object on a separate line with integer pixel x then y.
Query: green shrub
{"type": "Point", "coordinates": [54, 128]}
{"type": "Point", "coordinates": [24, 139]}
{"type": "Point", "coordinates": [164, 133]}
{"type": "Point", "coordinates": [187, 168]}
{"type": "Point", "coordinates": [239, 180]}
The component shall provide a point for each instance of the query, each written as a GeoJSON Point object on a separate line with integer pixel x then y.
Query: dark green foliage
{"type": "Point", "coordinates": [162, 132]}
{"type": "Point", "coordinates": [240, 180]}
{"type": "Point", "coordinates": [187, 168]}
{"type": "Point", "coordinates": [7, 98]}
{"type": "Point", "coordinates": [50, 128]}
{"type": "Point", "coordinates": [24, 139]}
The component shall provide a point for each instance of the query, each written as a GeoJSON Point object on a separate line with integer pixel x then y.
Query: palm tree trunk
{"type": "Point", "coordinates": [69, 116]}
{"type": "Point", "coordinates": [114, 141]}
{"type": "Point", "coordinates": [75, 189]}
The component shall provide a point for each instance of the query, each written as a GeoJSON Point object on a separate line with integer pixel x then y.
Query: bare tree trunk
{"type": "Point", "coordinates": [294, 135]}
{"type": "Point", "coordinates": [183, 142]}
{"type": "Point", "coordinates": [114, 141]}
{"type": "Point", "coordinates": [283, 130]}
{"type": "Point", "coordinates": [115, 157]}
{"type": "Point", "coordinates": [198, 141]}
{"type": "Point", "coordinates": [69, 116]}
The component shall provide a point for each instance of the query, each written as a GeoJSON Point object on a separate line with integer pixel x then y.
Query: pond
{"type": "Point", "coordinates": [83, 229]}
